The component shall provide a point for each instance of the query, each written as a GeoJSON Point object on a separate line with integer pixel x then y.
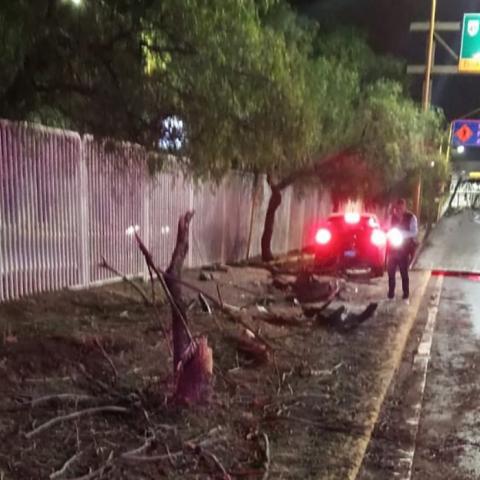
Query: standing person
{"type": "Point", "coordinates": [406, 222]}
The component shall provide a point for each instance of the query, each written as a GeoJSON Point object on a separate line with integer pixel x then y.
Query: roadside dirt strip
{"type": "Point", "coordinates": [306, 409]}
{"type": "Point", "coordinates": [407, 314]}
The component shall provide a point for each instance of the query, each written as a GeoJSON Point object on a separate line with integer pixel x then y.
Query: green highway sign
{"type": "Point", "coordinates": [469, 61]}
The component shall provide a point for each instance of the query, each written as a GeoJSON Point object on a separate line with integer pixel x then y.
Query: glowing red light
{"type": "Point", "coordinates": [323, 236]}
{"type": "Point", "coordinates": [395, 237]}
{"type": "Point", "coordinates": [352, 217]}
{"type": "Point", "coordinates": [378, 238]}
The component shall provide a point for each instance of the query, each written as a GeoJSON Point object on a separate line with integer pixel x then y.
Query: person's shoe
{"type": "Point", "coordinates": [406, 300]}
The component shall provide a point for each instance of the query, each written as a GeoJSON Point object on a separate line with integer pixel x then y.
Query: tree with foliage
{"type": "Point", "coordinates": [246, 85]}
{"type": "Point", "coordinates": [360, 122]}
{"type": "Point", "coordinates": [120, 69]}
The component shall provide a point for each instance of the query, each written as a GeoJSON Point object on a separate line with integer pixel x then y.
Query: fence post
{"type": "Point", "coordinates": [83, 227]}
{"type": "Point", "coordinates": [145, 231]}
{"type": "Point", "coordinates": [288, 209]}
{"type": "Point", "coordinates": [3, 261]}
{"type": "Point", "coordinates": [231, 184]}
{"type": "Point", "coordinates": [190, 230]}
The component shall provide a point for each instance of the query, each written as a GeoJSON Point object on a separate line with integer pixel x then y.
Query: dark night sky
{"type": "Point", "coordinates": [387, 23]}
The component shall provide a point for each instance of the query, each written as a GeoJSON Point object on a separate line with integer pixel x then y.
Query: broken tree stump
{"type": "Point", "coordinates": [194, 379]}
{"type": "Point", "coordinates": [192, 358]}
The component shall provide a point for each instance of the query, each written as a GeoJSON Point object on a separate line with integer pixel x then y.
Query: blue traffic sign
{"type": "Point", "coordinates": [466, 132]}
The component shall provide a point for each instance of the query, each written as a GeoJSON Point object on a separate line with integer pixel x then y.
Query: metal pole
{"type": "Point", "coordinates": [426, 96]}
{"type": "Point", "coordinates": [449, 146]}
{"type": "Point", "coordinates": [428, 71]}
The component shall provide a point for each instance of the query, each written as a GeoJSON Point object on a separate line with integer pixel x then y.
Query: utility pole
{"type": "Point", "coordinates": [430, 58]}
{"type": "Point", "coordinates": [426, 95]}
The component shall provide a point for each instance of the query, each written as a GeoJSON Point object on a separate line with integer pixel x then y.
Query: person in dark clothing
{"type": "Point", "coordinates": [399, 255]}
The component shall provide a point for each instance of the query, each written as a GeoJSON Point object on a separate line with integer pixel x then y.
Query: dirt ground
{"type": "Point", "coordinates": [299, 412]}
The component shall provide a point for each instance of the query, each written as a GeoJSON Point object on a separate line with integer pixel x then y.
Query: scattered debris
{"type": "Point", "coordinates": [344, 320]}
{"type": "Point", "coordinates": [284, 282]}
{"type": "Point", "coordinates": [73, 416]}
{"type": "Point", "coordinates": [205, 276]}
{"type": "Point", "coordinates": [216, 267]}
{"type": "Point", "coordinates": [262, 309]}
{"type": "Point", "coordinates": [204, 304]}
{"type": "Point", "coordinates": [252, 349]}
{"type": "Point", "coordinates": [258, 380]}
{"type": "Point", "coordinates": [310, 288]}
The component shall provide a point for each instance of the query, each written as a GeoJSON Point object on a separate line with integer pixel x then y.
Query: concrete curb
{"type": "Point", "coordinates": [392, 364]}
{"type": "Point", "coordinates": [421, 247]}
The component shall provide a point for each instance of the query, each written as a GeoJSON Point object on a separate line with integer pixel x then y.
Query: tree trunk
{"type": "Point", "coordinates": [181, 340]}
{"type": "Point", "coordinates": [273, 204]}
{"type": "Point", "coordinates": [252, 214]}
{"type": "Point", "coordinates": [192, 359]}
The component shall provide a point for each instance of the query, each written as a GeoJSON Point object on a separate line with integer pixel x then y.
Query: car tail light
{"type": "Point", "coordinates": [323, 236]}
{"type": "Point", "coordinates": [352, 217]}
{"type": "Point", "coordinates": [378, 238]}
{"type": "Point", "coordinates": [395, 237]}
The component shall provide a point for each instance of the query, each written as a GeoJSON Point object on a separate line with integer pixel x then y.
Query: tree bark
{"type": "Point", "coordinates": [273, 204]}
{"type": "Point", "coordinates": [180, 337]}
{"type": "Point", "coordinates": [312, 169]}
{"type": "Point", "coordinates": [192, 359]}
{"type": "Point", "coordinates": [252, 214]}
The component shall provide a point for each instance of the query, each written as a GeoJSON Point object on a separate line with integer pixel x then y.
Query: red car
{"type": "Point", "coordinates": [351, 241]}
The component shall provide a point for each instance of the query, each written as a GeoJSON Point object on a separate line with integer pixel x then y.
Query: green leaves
{"type": "Point", "coordinates": [257, 87]}
{"type": "Point", "coordinates": [398, 137]}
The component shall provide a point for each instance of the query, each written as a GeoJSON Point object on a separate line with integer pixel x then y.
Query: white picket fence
{"type": "Point", "coordinates": [66, 201]}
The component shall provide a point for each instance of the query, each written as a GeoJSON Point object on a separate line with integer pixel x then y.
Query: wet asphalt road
{"type": "Point", "coordinates": [454, 244]}
{"type": "Point", "coordinates": [444, 439]}
{"type": "Point", "coordinates": [448, 439]}
{"type": "Point", "coordinates": [429, 427]}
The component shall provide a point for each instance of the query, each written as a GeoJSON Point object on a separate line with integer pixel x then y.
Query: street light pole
{"type": "Point", "coordinates": [430, 58]}
{"type": "Point", "coordinates": [427, 93]}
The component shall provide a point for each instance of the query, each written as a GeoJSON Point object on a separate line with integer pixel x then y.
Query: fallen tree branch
{"type": "Point", "coordinates": [61, 397]}
{"type": "Point", "coordinates": [65, 467]}
{"type": "Point", "coordinates": [107, 358]}
{"type": "Point", "coordinates": [104, 264]}
{"type": "Point", "coordinates": [283, 320]}
{"type": "Point", "coordinates": [217, 462]}
{"type": "Point", "coordinates": [100, 386]}
{"type": "Point", "coordinates": [73, 416]}
{"type": "Point", "coordinates": [148, 443]}
{"type": "Point", "coordinates": [152, 458]}
{"type": "Point", "coordinates": [220, 299]}
{"type": "Point", "coordinates": [147, 301]}
{"type": "Point", "coordinates": [96, 473]}
{"type": "Point", "coordinates": [267, 456]}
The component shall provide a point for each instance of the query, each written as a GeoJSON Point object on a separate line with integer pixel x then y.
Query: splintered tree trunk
{"type": "Point", "coordinates": [192, 359]}
{"type": "Point", "coordinates": [273, 204]}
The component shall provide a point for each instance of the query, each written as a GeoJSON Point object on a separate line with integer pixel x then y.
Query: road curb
{"type": "Point", "coordinates": [421, 247]}
{"type": "Point", "coordinates": [399, 343]}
